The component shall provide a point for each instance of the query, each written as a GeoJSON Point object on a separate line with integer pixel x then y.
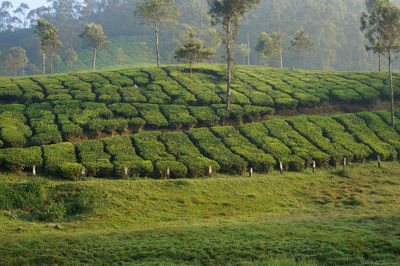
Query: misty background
{"type": "Point", "coordinates": [333, 25]}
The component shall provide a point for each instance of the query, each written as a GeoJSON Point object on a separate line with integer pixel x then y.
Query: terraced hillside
{"type": "Point", "coordinates": [294, 142]}
{"type": "Point", "coordinates": [42, 110]}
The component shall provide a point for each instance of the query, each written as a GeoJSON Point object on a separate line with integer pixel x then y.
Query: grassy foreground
{"type": "Point", "coordinates": [332, 217]}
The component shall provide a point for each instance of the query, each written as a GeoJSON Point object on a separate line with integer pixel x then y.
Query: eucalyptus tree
{"type": "Point", "coordinates": [229, 13]}
{"type": "Point", "coordinates": [13, 61]}
{"type": "Point", "coordinates": [95, 38]}
{"type": "Point", "coordinates": [302, 43]}
{"type": "Point", "coordinates": [192, 50]}
{"type": "Point", "coordinates": [384, 15]}
{"type": "Point", "coordinates": [49, 42]}
{"type": "Point", "coordinates": [70, 58]}
{"type": "Point", "coordinates": [154, 13]}
{"type": "Point", "coordinates": [370, 27]}
{"type": "Point", "coordinates": [269, 46]}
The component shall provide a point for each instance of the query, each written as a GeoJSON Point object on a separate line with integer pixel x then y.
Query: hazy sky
{"type": "Point", "coordinates": [32, 3]}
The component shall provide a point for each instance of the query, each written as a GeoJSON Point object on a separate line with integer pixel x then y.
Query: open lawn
{"type": "Point", "coordinates": [333, 217]}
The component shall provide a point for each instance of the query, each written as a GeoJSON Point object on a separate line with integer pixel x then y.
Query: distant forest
{"type": "Point", "coordinates": [333, 26]}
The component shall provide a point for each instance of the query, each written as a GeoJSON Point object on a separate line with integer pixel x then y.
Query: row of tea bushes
{"type": "Point", "coordinates": [66, 120]}
{"type": "Point", "coordinates": [257, 86]}
{"type": "Point", "coordinates": [295, 143]}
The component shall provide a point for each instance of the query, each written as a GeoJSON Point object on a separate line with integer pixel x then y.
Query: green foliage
{"type": "Point", "coordinates": [70, 171]}
{"type": "Point", "coordinates": [256, 158]}
{"type": "Point", "coordinates": [152, 115]}
{"type": "Point", "coordinates": [25, 196]}
{"type": "Point", "coordinates": [20, 159]}
{"type": "Point", "coordinates": [177, 169]}
{"type": "Point", "coordinates": [179, 145]}
{"type": "Point", "coordinates": [215, 149]}
{"type": "Point", "coordinates": [52, 211]}
{"type": "Point", "coordinates": [58, 159]}
{"type": "Point", "coordinates": [360, 130]}
{"type": "Point", "coordinates": [300, 146]}
{"type": "Point", "coordinates": [178, 116]}
{"type": "Point", "coordinates": [93, 157]}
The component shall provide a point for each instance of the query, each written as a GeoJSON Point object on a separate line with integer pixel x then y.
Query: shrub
{"type": "Point", "coordinates": [52, 211]}
{"type": "Point", "coordinates": [152, 115]}
{"type": "Point", "coordinates": [178, 116]}
{"type": "Point", "coordinates": [150, 148]}
{"type": "Point", "coordinates": [285, 103]}
{"type": "Point", "coordinates": [300, 146]}
{"type": "Point", "coordinates": [70, 171]}
{"type": "Point", "coordinates": [337, 134]}
{"type": "Point", "coordinates": [381, 129]}
{"type": "Point", "coordinates": [359, 129]}
{"type": "Point", "coordinates": [26, 196]}
{"type": "Point", "coordinates": [132, 95]}
{"type": "Point", "coordinates": [295, 163]}
{"type": "Point", "coordinates": [315, 135]}
{"type": "Point", "coordinates": [179, 145]}
{"type": "Point", "coordinates": [256, 158]}
{"type": "Point", "coordinates": [56, 155]}
{"type": "Point", "coordinates": [136, 124]}
{"type": "Point", "coordinates": [94, 158]}
{"type": "Point", "coordinates": [215, 149]}
{"type": "Point", "coordinates": [204, 115]}
{"type": "Point", "coordinates": [123, 109]}
{"type": "Point", "coordinates": [258, 135]}
{"type": "Point", "coordinates": [18, 159]}
{"type": "Point", "coordinates": [177, 169]}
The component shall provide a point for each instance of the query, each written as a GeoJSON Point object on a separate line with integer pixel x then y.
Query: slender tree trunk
{"type": "Point", "coordinates": [229, 62]}
{"type": "Point", "coordinates": [51, 64]}
{"type": "Point", "coordinates": [94, 58]}
{"type": "Point", "coordinates": [44, 63]}
{"type": "Point", "coordinates": [281, 58]}
{"type": "Point", "coordinates": [380, 62]}
{"type": "Point", "coordinates": [248, 46]}
{"type": "Point", "coordinates": [157, 48]}
{"type": "Point", "coordinates": [299, 59]}
{"type": "Point", "coordinates": [391, 86]}
{"type": "Point", "coordinates": [191, 72]}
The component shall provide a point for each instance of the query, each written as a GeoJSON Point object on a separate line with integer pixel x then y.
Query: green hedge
{"type": "Point", "coordinates": [20, 159]}
{"type": "Point", "coordinates": [178, 116]}
{"type": "Point", "coordinates": [214, 148]}
{"type": "Point", "coordinates": [57, 154]}
{"type": "Point", "coordinates": [315, 135]}
{"type": "Point", "coordinates": [93, 157]}
{"type": "Point", "coordinates": [336, 133]}
{"type": "Point", "coordinates": [360, 130]}
{"type": "Point", "coordinates": [124, 155]}
{"type": "Point", "coordinates": [300, 146]}
{"type": "Point", "coordinates": [150, 148]}
{"type": "Point", "coordinates": [256, 158]}
{"type": "Point", "coordinates": [179, 145]}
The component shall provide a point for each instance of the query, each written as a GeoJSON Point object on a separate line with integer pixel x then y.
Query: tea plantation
{"type": "Point", "coordinates": [103, 144]}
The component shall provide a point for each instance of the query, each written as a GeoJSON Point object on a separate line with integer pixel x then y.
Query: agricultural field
{"type": "Point", "coordinates": [41, 110]}
{"type": "Point", "coordinates": [146, 166]}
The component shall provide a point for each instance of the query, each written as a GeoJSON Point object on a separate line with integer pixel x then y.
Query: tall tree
{"type": "Point", "coordinates": [385, 16]}
{"type": "Point", "coordinates": [70, 58]}
{"type": "Point", "coordinates": [370, 27]}
{"type": "Point", "coordinates": [278, 7]}
{"type": "Point", "coordinates": [192, 51]}
{"type": "Point", "coordinates": [229, 13]}
{"type": "Point", "coordinates": [245, 50]}
{"type": "Point", "coordinates": [154, 13]}
{"type": "Point", "coordinates": [95, 38]}
{"type": "Point", "coordinates": [269, 46]}
{"type": "Point", "coordinates": [13, 61]}
{"type": "Point", "coordinates": [302, 43]}
{"type": "Point", "coordinates": [49, 43]}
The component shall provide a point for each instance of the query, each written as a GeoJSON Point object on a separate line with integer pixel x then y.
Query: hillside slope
{"type": "Point", "coordinates": [294, 142]}
{"type": "Point", "coordinates": [331, 217]}
{"type": "Point", "coordinates": [77, 106]}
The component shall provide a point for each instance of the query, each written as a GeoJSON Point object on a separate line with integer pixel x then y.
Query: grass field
{"type": "Point", "coordinates": [333, 217]}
